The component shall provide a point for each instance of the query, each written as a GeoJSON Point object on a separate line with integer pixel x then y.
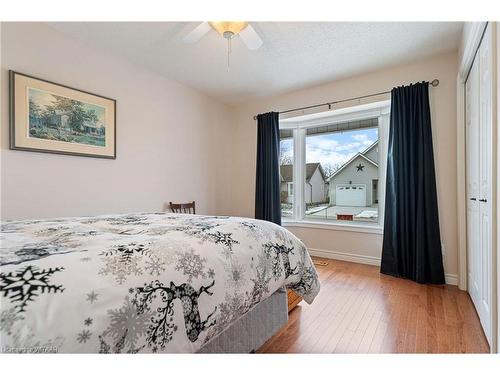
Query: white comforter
{"type": "Point", "coordinates": [140, 282]}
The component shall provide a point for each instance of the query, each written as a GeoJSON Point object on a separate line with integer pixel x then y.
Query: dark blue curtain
{"type": "Point", "coordinates": [267, 184]}
{"type": "Point", "coordinates": [411, 246]}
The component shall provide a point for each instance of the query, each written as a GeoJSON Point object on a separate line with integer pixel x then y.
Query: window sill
{"type": "Point", "coordinates": [361, 228]}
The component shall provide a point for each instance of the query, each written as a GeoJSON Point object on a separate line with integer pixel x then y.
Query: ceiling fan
{"type": "Point", "coordinates": [228, 30]}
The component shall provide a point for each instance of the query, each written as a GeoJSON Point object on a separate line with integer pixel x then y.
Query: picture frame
{"type": "Point", "coordinates": [53, 118]}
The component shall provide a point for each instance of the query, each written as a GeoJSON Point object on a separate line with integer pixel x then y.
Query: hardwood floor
{"type": "Point", "coordinates": [358, 310]}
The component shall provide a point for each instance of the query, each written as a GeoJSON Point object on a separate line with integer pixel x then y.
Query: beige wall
{"type": "Point", "coordinates": [168, 136]}
{"type": "Point", "coordinates": [443, 107]}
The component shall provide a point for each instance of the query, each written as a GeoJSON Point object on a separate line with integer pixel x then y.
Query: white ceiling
{"type": "Point", "coordinates": [294, 54]}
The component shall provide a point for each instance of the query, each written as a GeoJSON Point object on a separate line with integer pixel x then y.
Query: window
{"type": "Point", "coordinates": [340, 165]}
{"type": "Point", "coordinates": [286, 172]}
{"type": "Point", "coordinates": [335, 173]}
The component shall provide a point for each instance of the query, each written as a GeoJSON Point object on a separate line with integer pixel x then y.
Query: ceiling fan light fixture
{"type": "Point", "coordinates": [228, 29]}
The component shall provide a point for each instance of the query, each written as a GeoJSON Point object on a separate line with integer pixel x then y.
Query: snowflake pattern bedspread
{"type": "Point", "coordinates": [140, 282]}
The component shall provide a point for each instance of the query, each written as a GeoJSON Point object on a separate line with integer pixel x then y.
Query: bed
{"type": "Point", "coordinates": [147, 282]}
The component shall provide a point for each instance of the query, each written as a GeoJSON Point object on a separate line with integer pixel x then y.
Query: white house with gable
{"type": "Point", "coordinates": [315, 189]}
{"type": "Point", "coordinates": [355, 184]}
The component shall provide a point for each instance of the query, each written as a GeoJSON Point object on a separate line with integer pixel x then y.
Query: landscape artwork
{"type": "Point", "coordinates": [64, 119]}
{"type": "Point", "coordinates": [53, 118]}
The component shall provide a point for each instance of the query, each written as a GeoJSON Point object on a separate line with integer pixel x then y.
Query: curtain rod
{"type": "Point", "coordinates": [433, 83]}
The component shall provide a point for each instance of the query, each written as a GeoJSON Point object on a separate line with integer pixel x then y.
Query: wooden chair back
{"type": "Point", "coordinates": [183, 208]}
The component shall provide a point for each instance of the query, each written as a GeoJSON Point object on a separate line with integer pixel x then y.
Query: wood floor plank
{"type": "Point", "coordinates": [358, 310]}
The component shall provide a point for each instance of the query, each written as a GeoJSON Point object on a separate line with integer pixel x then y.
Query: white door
{"type": "Point", "coordinates": [485, 179]}
{"type": "Point", "coordinates": [479, 137]}
{"type": "Point", "coordinates": [350, 195]}
{"type": "Point", "coordinates": [472, 170]}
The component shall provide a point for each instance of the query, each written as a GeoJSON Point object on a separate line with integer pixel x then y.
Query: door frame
{"type": "Point", "coordinates": [473, 32]}
{"type": "Point", "coordinates": [469, 49]}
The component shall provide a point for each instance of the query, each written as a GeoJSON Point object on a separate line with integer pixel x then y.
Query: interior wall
{"type": "Point", "coordinates": [169, 136]}
{"type": "Point", "coordinates": [443, 112]}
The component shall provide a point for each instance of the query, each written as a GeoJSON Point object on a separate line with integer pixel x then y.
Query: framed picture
{"type": "Point", "coordinates": [48, 117]}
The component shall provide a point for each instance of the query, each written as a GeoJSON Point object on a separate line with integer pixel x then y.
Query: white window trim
{"type": "Point", "coordinates": [333, 225]}
{"type": "Point", "coordinates": [299, 125]}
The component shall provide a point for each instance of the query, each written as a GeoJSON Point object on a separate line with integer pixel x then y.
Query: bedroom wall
{"type": "Point", "coordinates": [168, 136]}
{"type": "Point", "coordinates": [347, 244]}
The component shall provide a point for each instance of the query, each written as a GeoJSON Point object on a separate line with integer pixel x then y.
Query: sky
{"type": "Point", "coordinates": [334, 148]}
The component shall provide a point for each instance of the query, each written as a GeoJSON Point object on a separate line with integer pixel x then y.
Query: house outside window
{"type": "Point", "coordinates": [340, 158]}
{"type": "Point", "coordinates": [286, 172]}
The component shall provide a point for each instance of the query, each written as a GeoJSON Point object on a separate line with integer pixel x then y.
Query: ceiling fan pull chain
{"type": "Point", "coordinates": [228, 53]}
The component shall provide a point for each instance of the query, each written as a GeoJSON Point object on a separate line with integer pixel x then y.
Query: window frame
{"type": "Point", "coordinates": [299, 124]}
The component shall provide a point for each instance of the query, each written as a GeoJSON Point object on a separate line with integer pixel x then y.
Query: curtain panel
{"type": "Point", "coordinates": [267, 184]}
{"type": "Point", "coordinates": [412, 242]}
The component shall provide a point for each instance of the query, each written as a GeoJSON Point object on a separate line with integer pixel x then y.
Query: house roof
{"type": "Point", "coordinates": [350, 161]}
{"type": "Point", "coordinates": [362, 154]}
{"type": "Point", "coordinates": [370, 147]}
{"type": "Point", "coordinates": [286, 171]}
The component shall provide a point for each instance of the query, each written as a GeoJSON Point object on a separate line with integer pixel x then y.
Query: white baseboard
{"type": "Point", "coordinates": [451, 279]}
{"type": "Point", "coordinates": [348, 257]}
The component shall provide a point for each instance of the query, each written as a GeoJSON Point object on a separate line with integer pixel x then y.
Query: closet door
{"type": "Point", "coordinates": [472, 170]}
{"type": "Point", "coordinates": [479, 138]}
{"type": "Point", "coordinates": [485, 182]}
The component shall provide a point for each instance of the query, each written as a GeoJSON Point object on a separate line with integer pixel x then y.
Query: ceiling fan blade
{"type": "Point", "coordinates": [250, 37]}
{"type": "Point", "coordinates": [197, 33]}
